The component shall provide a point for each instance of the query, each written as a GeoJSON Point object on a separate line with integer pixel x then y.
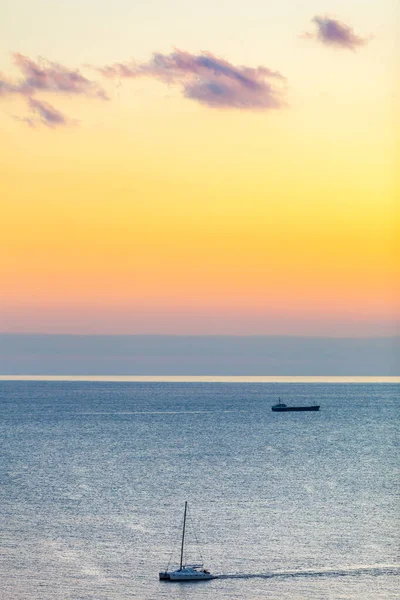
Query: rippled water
{"type": "Point", "coordinates": [291, 506]}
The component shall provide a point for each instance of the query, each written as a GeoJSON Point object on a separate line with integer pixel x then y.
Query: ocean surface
{"type": "Point", "coordinates": [94, 476]}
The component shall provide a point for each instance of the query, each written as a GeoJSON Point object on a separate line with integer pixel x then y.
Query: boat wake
{"type": "Point", "coordinates": [349, 572]}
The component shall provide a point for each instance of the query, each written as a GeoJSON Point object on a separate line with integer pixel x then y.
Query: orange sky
{"type": "Point", "coordinates": [151, 213]}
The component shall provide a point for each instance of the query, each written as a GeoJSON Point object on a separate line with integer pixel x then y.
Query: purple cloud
{"type": "Point", "coordinates": [46, 113]}
{"type": "Point", "coordinates": [208, 79]}
{"type": "Point", "coordinates": [6, 86]}
{"type": "Point", "coordinates": [335, 33]}
{"type": "Point", "coordinates": [45, 75]}
{"type": "Point", "coordinates": [204, 78]}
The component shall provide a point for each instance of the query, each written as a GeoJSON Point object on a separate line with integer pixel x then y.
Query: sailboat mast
{"type": "Point", "coordinates": [183, 535]}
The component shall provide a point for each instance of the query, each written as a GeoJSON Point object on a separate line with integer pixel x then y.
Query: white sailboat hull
{"type": "Point", "coordinates": [186, 574]}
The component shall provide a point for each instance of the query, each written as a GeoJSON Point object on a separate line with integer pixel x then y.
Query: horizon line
{"type": "Point", "coordinates": [209, 378]}
{"type": "Point", "coordinates": [205, 335]}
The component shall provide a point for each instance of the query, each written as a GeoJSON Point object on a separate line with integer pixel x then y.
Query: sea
{"type": "Point", "coordinates": [300, 506]}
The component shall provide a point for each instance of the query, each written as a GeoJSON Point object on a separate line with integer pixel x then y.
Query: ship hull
{"type": "Point", "coordinates": [295, 408]}
{"type": "Point", "coordinates": [193, 577]}
{"type": "Point", "coordinates": [185, 575]}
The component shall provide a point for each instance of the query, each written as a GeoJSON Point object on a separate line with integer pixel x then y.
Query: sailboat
{"type": "Point", "coordinates": [186, 572]}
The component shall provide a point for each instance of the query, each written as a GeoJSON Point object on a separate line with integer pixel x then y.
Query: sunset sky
{"type": "Point", "coordinates": [177, 167]}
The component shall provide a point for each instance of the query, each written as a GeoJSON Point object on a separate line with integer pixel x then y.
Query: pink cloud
{"type": "Point", "coordinates": [46, 114]}
{"type": "Point", "coordinates": [6, 86]}
{"type": "Point", "coordinates": [208, 79]}
{"type": "Point", "coordinates": [332, 32]}
{"type": "Point", "coordinates": [45, 75]}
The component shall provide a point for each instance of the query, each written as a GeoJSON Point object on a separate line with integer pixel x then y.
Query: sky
{"type": "Point", "coordinates": [190, 168]}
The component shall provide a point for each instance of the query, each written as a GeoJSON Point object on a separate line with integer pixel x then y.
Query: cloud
{"type": "Point", "coordinates": [46, 114]}
{"type": "Point", "coordinates": [204, 78]}
{"type": "Point", "coordinates": [45, 75]}
{"type": "Point", "coordinates": [43, 113]}
{"type": "Point", "coordinates": [208, 79]}
{"type": "Point", "coordinates": [332, 32]}
{"type": "Point", "coordinates": [6, 86]}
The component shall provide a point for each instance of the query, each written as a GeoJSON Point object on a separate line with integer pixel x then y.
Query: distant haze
{"type": "Point", "coordinates": [33, 354]}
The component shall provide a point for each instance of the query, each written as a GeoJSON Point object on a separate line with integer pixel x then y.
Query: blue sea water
{"type": "Point", "coordinates": [94, 477]}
